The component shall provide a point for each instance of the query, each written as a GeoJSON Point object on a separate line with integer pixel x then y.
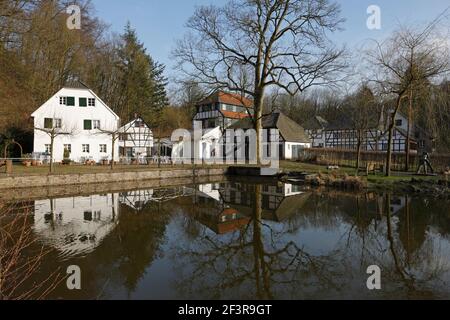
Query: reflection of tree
{"type": "Point", "coordinates": [262, 262]}
{"type": "Point", "coordinates": [253, 260]}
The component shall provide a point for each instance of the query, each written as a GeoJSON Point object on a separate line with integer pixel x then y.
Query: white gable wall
{"type": "Point", "coordinates": [72, 118]}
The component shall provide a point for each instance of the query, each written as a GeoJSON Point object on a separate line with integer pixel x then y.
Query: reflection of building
{"type": "Point", "coordinates": [212, 212]}
{"type": "Point", "coordinates": [279, 201]}
{"type": "Point", "coordinates": [136, 200]}
{"type": "Point", "coordinates": [76, 225]}
{"type": "Point", "coordinates": [228, 207]}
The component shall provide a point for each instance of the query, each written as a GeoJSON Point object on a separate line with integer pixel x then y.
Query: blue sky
{"type": "Point", "coordinates": [160, 22]}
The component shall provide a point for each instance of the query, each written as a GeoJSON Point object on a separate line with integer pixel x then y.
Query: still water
{"type": "Point", "coordinates": [234, 240]}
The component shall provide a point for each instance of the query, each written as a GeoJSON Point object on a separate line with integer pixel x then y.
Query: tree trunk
{"type": "Point", "coordinates": [52, 142]}
{"type": "Point", "coordinates": [259, 98]}
{"type": "Point", "coordinates": [113, 145]}
{"type": "Point", "coordinates": [408, 141]}
{"type": "Point", "coordinates": [358, 152]}
{"type": "Point", "coordinates": [391, 134]}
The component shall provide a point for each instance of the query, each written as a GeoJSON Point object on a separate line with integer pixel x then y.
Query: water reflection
{"type": "Point", "coordinates": [237, 240]}
{"type": "Point", "coordinates": [76, 226]}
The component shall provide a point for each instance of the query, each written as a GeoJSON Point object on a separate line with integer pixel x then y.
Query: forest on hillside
{"type": "Point", "coordinates": [39, 54]}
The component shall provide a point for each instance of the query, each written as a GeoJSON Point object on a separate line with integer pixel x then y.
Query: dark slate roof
{"type": "Point", "coordinates": [76, 84]}
{"type": "Point", "coordinates": [315, 123]}
{"type": "Point", "coordinates": [290, 130]}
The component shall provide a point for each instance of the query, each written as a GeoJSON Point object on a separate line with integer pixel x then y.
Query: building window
{"type": "Point", "coordinates": [68, 147]}
{"type": "Point", "coordinates": [48, 123]}
{"type": "Point", "coordinates": [87, 124]}
{"type": "Point", "coordinates": [103, 148]}
{"type": "Point", "coordinates": [96, 124]}
{"type": "Point", "coordinates": [63, 101]}
{"type": "Point", "coordinates": [91, 102]}
{"type": "Point", "coordinates": [48, 148]}
{"type": "Point", "coordinates": [139, 124]}
{"type": "Point", "coordinates": [398, 123]}
{"type": "Point", "coordinates": [83, 102]}
{"type": "Point", "coordinates": [85, 148]}
{"type": "Point", "coordinates": [57, 123]}
{"type": "Point", "coordinates": [71, 101]}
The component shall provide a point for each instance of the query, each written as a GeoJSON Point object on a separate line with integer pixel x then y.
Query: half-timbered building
{"type": "Point", "coordinates": [135, 139]}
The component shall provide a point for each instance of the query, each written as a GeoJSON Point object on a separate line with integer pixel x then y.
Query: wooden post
{"type": "Point", "coordinates": [9, 167]}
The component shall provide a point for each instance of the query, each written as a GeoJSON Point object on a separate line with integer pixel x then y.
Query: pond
{"type": "Point", "coordinates": [236, 240]}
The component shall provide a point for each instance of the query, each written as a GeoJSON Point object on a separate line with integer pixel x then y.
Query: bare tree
{"type": "Point", "coordinates": [54, 128]}
{"type": "Point", "coordinates": [114, 135]}
{"type": "Point", "coordinates": [361, 109]}
{"type": "Point", "coordinates": [408, 57]}
{"type": "Point", "coordinates": [17, 265]}
{"type": "Point", "coordinates": [249, 46]}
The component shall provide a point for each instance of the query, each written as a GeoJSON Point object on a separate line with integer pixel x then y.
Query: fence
{"type": "Point", "coordinates": [347, 158]}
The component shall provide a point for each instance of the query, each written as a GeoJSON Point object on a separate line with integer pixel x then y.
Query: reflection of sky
{"type": "Point", "coordinates": [327, 229]}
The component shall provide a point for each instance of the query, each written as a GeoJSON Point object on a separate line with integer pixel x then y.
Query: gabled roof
{"type": "Point", "coordinates": [130, 125]}
{"type": "Point", "coordinates": [290, 130]}
{"type": "Point", "coordinates": [315, 123]}
{"type": "Point", "coordinates": [228, 98]}
{"type": "Point", "coordinates": [76, 84]}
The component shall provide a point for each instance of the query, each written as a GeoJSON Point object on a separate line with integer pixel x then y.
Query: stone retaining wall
{"type": "Point", "coordinates": [21, 182]}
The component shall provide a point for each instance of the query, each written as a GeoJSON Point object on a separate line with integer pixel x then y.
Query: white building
{"type": "Point", "coordinates": [82, 121]}
{"type": "Point", "coordinates": [136, 139]}
{"type": "Point", "coordinates": [341, 134]}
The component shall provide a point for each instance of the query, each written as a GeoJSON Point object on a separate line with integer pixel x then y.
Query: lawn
{"type": "Point", "coordinates": [286, 166]}
{"type": "Point", "coordinates": [20, 170]}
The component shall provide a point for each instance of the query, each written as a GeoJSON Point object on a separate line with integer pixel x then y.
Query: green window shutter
{"type": "Point", "coordinates": [87, 124]}
{"type": "Point", "coordinates": [83, 102]}
{"type": "Point", "coordinates": [48, 123]}
{"type": "Point", "coordinates": [71, 101]}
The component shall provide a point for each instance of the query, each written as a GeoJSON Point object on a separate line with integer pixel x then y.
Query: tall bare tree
{"type": "Point", "coordinates": [408, 57]}
{"type": "Point", "coordinates": [249, 46]}
{"type": "Point", "coordinates": [54, 129]}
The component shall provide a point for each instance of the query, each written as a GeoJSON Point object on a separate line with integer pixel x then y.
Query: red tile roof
{"type": "Point", "coordinates": [228, 98]}
{"type": "Point", "coordinates": [235, 115]}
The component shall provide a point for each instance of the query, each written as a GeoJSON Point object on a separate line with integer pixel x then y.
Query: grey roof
{"type": "Point", "coordinates": [76, 84]}
{"type": "Point", "coordinates": [290, 130]}
{"type": "Point", "coordinates": [315, 123]}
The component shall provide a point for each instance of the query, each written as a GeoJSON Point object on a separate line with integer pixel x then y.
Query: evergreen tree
{"type": "Point", "coordinates": [142, 83]}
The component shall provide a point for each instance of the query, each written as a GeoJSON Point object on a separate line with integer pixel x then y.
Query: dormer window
{"type": "Point", "coordinates": [70, 101]}
{"type": "Point", "coordinates": [63, 101]}
{"type": "Point", "coordinates": [91, 102]}
{"type": "Point", "coordinates": [83, 102]}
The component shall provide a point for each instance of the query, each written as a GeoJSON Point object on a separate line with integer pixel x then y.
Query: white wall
{"type": "Point", "coordinates": [68, 222]}
{"type": "Point", "coordinates": [73, 121]}
{"type": "Point", "coordinates": [288, 147]}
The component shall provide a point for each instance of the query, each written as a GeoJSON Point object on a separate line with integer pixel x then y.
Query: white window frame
{"type": "Point", "coordinates": [85, 148]}
{"type": "Point", "coordinates": [57, 123]}
{"type": "Point", "coordinates": [48, 148]}
{"type": "Point", "coordinates": [91, 102]}
{"type": "Point", "coordinates": [63, 101]}
{"type": "Point", "coordinates": [96, 124]}
{"type": "Point", "coordinates": [103, 148]}
{"type": "Point", "coordinates": [68, 147]}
